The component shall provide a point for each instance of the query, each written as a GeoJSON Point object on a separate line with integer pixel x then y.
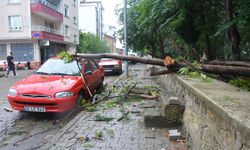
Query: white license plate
{"type": "Point", "coordinates": [108, 70]}
{"type": "Point", "coordinates": [34, 109]}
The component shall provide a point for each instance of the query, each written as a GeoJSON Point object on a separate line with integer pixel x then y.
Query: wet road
{"type": "Point", "coordinates": [20, 130]}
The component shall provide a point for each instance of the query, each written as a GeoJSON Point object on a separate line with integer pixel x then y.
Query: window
{"type": "Point", "coordinates": [66, 10]}
{"type": "Point", "coordinates": [3, 51]}
{"type": "Point", "coordinates": [67, 31]}
{"type": "Point", "coordinates": [23, 51]}
{"type": "Point", "coordinates": [75, 38]}
{"type": "Point", "coordinates": [74, 2]}
{"type": "Point", "coordinates": [14, 1]}
{"type": "Point", "coordinates": [15, 23]}
{"type": "Point", "coordinates": [75, 20]}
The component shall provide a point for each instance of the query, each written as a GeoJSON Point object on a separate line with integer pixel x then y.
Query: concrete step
{"type": "Point", "coordinates": [153, 118]}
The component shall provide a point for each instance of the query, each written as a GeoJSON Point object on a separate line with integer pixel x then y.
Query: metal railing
{"type": "Point", "coordinates": [46, 29]}
{"type": "Point", "coordinates": [46, 3]}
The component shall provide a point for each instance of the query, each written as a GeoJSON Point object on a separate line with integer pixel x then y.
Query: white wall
{"type": "Point", "coordinates": [6, 10]}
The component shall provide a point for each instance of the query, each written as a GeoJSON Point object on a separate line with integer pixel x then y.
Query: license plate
{"type": "Point", "coordinates": [34, 109]}
{"type": "Point", "coordinates": [108, 70]}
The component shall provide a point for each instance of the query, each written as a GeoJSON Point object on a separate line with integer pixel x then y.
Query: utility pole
{"type": "Point", "coordinates": [125, 52]}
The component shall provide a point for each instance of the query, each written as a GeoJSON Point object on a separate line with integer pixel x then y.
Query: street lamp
{"type": "Point", "coordinates": [125, 52]}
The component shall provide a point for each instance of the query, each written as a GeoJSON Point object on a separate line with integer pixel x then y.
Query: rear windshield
{"type": "Point", "coordinates": [59, 67]}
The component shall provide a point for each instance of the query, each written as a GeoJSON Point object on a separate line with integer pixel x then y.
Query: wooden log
{"type": "Point", "coordinates": [229, 70]}
{"type": "Point", "coordinates": [241, 69]}
{"type": "Point", "coordinates": [142, 60]}
{"type": "Point", "coordinates": [230, 63]}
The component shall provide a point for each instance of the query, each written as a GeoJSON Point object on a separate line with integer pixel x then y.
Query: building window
{"type": "Point", "coordinates": [75, 38]}
{"type": "Point", "coordinates": [74, 2]}
{"type": "Point", "coordinates": [67, 31]}
{"type": "Point", "coordinates": [75, 20]}
{"type": "Point", "coordinates": [3, 51]}
{"type": "Point", "coordinates": [66, 10]}
{"type": "Point", "coordinates": [14, 1]}
{"type": "Point", "coordinates": [15, 23]}
{"type": "Point", "coordinates": [23, 51]}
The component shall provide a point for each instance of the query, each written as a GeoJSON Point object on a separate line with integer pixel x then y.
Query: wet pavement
{"type": "Point", "coordinates": [20, 130]}
{"type": "Point", "coordinates": [112, 126]}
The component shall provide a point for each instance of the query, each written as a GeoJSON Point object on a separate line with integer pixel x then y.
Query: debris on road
{"type": "Point", "coordinates": [8, 109]}
{"type": "Point", "coordinates": [174, 135]}
{"type": "Point", "coordinates": [100, 117]}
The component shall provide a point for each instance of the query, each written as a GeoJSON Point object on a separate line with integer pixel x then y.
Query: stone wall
{"type": "Point", "coordinates": [216, 116]}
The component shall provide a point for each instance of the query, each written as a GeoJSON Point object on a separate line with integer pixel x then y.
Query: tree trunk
{"type": "Point", "coordinates": [230, 63]}
{"type": "Point", "coordinates": [233, 33]}
{"type": "Point", "coordinates": [228, 70]}
{"type": "Point", "coordinates": [209, 68]}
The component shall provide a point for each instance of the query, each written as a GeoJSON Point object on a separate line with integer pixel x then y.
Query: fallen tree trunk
{"type": "Point", "coordinates": [142, 60]}
{"type": "Point", "coordinates": [230, 63]}
{"type": "Point", "coordinates": [227, 69]}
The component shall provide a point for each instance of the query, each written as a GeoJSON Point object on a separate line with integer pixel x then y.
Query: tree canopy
{"type": "Point", "coordinates": [189, 28]}
{"type": "Point", "coordinates": [90, 43]}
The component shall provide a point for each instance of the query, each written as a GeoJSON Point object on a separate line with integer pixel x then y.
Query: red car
{"type": "Point", "coordinates": [56, 86]}
{"type": "Point", "coordinates": [111, 65]}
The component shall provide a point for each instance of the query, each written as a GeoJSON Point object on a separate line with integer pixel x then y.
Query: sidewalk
{"type": "Point", "coordinates": [127, 133]}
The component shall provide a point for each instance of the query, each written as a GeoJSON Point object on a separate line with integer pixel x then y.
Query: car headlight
{"type": "Point", "coordinates": [12, 92]}
{"type": "Point", "coordinates": [64, 94]}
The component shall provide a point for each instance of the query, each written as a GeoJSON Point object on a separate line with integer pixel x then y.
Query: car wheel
{"type": "Point", "coordinates": [79, 100]}
{"type": "Point", "coordinates": [120, 72]}
{"type": "Point", "coordinates": [99, 88]}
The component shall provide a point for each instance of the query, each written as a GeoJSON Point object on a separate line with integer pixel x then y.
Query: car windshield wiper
{"type": "Point", "coordinates": [62, 74]}
{"type": "Point", "coordinates": [38, 72]}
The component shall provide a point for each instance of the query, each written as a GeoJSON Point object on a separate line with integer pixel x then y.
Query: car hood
{"type": "Point", "coordinates": [45, 84]}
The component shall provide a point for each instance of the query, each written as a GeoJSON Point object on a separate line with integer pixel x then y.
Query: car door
{"type": "Point", "coordinates": [95, 73]}
{"type": "Point", "coordinates": [88, 74]}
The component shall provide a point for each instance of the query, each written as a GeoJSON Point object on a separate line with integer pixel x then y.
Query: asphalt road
{"type": "Point", "coordinates": [20, 130]}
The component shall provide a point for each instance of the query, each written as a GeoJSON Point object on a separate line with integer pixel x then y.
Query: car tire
{"type": "Point", "coordinates": [120, 72]}
{"type": "Point", "coordinates": [79, 99]}
{"type": "Point", "coordinates": [99, 88]}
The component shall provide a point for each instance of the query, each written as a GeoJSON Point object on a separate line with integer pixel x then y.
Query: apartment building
{"type": "Point", "coordinates": [35, 30]}
{"type": "Point", "coordinates": [93, 21]}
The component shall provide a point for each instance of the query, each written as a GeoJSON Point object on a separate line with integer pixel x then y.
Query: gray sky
{"type": "Point", "coordinates": [109, 13]}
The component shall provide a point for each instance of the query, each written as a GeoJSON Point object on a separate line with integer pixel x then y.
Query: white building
{"type": "Point", "coordinates": [91, 17]}
{"type": "Point", "coordinates": [35, 30]}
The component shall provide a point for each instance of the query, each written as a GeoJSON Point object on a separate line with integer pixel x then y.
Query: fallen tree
{"type": "Point", "coordinates": [215, 67]}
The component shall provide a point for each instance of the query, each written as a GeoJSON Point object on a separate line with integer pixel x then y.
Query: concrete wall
{"type": "Point", "coordinates": [217, 115]}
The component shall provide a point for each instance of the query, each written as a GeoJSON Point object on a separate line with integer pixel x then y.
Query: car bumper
{"type": "Point", "coordinates": [48, 104]}
{"type": "Point", "coordinates": [112, 70]}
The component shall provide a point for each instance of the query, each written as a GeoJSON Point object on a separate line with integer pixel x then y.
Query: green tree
{"type": "Point", "coordinates": [90, 43]}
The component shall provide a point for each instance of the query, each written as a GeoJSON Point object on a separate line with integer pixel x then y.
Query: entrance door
{"type": "Point", "coordinates": [44, 54]}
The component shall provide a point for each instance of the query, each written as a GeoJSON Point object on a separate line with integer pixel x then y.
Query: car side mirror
{"type": "Point", "coordinates": [88, 73]}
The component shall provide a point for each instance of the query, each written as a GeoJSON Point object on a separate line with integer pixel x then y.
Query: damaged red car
{"type": "Point", "coordinates": [56, 86]}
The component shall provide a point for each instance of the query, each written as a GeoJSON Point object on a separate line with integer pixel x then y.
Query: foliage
{"type": "Point", "coordinates": [66, 57]}
{"type": "Point", "coordinates": [98, 134]}
{"type": "Point", "coordinates": [186, 28]}
{"type": "Point", "coordinates": [241, 83]}
{"type": "Point", "coordinates": [90, 43]}
{"type": "Point", "coordinates": [88, 145]}
{"type": "Point", "coordinates": [100, 117]}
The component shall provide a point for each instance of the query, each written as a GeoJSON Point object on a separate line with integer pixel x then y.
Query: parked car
{"type": "Point", "coordinates": [56, 86]}
{"type": "Point", "coordinates": [111, 65]}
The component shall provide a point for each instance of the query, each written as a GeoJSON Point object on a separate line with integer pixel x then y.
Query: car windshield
{"type": "Point", "coordinates": [59, 67]}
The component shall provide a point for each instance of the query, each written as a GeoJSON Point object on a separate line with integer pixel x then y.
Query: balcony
{"type": "Point", "coordinates": [41, 32]}
{"type": "Point", "coordinates": [46, 10]}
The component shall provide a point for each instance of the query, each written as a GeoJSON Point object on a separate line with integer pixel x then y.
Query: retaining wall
{"type": "Point", "coordinates": [216, 116]}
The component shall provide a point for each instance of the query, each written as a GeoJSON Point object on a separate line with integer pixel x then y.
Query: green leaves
{"type": "Point", "coordinates": [90, 43]}
{"type": "Point", "coordinates": [66, 57]}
